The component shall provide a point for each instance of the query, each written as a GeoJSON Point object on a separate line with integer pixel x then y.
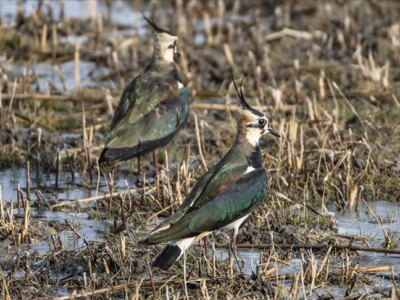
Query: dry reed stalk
{"type": "Point", "coordinates": [10, 213]}
{"type": "Point", "coordinates": [12, 95]}
{"type": "Point", "coordinates": [105, 196]}
{"type": "Point", "coordinates": [349, 104]}
{"type": "Point", "coordinates": [28, 180]}
{"type": "Point", "coordinates": [47, 97]}
{"type": "Point", "coordinates": [214, 268]}
{"type": "Point", "coordinates": [178, 198]}
{"type": "Point", "coordinates": [203, 161]}
{"type": "Point", "coordinates": [184, 276]}
{"type": "Point", "coordinates": [43, 43]}
{"type": "Point", "coordinates": [59, 73]}
{"type": "Point", "coordinates": [117, 67]}
{"type": "Point", "coordinates": [92, 9]}
{"type": "Point", "coordinates": [5, 289]}
{"type": "Point", "coordinates": [39, 143]}
{"type": "Point", "coordinates": [294, 288]}
{"type": "Point", "coordinates": [207, 28]}
{"type": "Point", "coordinates": [105, 265]}
{"type": "Point", "coordinates": [396, 101]}
{"type": "Point", "coordinates": [57, 168]}
{"type": "Point", "coordinates": [167, 173]}
{"type": "Point", "coordinates": [77, 76]}
{"type": "Point", "coordinates": [2, 219]}
{"type": "Point", "coordinates": [324, 262]}
{"type": "Point", "coordinates": [229, 56]}
{"type": "Point", "coordinates": [122, 247]}
{"type": "Point", "coordinates": [109, 101]}
{"type": "Point", "coordinates": [221, 18]}
{"type": "Point", "coordinates": [24, 236]}
{"type": "Point", "coordinates": [288, 32]}
{"type": "Point", "coordinates": [54, 36]}
{"type": "Point", "coordinates": [74, 230]}
{"type": "Point", "coordinates": [268, 273]}
{"type": "Point", "coordinates": [312, 272]}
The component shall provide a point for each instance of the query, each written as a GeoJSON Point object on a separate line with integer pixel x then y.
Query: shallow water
{"type": "Point", "coordinates": [364, 222]}
{"type": "Point", "coordinates": [47, 76]}
{"type": "Point", "coordinates": [121, 12]}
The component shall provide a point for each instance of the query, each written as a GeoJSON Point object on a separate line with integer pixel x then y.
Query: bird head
{"type": "Point", "coordinates": [164, 43]}
{"type": "Point", "coordinates": [252, 123]}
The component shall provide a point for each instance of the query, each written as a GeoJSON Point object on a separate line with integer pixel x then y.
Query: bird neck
{"type": "Point", "coordinates": [159, 64]}
{"type": "Point", "coordinates": [252, 152]}
{"type": "Point", "coordinates": [163, 55]}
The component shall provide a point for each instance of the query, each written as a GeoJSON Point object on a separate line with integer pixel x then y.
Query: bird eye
{"type": "Point", "coordinates": [261, 122]}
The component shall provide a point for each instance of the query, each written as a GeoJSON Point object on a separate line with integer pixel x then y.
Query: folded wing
{"type": "Point", "coordinates": [235, 201]}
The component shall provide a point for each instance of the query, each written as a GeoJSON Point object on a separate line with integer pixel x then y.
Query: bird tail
{"type": "Point", "coordinates": [168, 257]}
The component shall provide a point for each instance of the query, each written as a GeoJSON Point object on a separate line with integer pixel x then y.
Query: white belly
{"type": "Point", "coordinates": [235, 224]}
{"type": "Point", "coordinates": [249, 169]}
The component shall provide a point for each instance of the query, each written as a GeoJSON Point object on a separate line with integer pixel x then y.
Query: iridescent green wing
{"type": "Point", "coordinates": [142, 95]}
{"type": "Point", "coordinates": [151, 125]}
{"type": "Point", "coordinates": [234, 202]}
{"type": "Point", "coordinates": [212, 183]}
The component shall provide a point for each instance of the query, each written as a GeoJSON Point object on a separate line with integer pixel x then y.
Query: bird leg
{"type": "Point", "coordinates": [138, 180]}
{"type": "Point", "coordinates": [184, 274]}
{"type": "Point", "coordinates": [233, 248]}
{"type": "Point", "coordinates": [155, 160]}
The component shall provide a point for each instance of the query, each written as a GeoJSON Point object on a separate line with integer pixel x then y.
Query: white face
{"type": "Point", "coordinates": [166, 46]}
{"type": "Point", "coordinates": [256, 126]}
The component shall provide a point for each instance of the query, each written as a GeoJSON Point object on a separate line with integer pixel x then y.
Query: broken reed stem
{"type": "Point", "coordinates": [311, 246]}
{"type": "Point", "coordinates": [39, 141]}
{"type": "Point", "coordinates": [203, 161]}
{"type": "Point", "coordinates": [49, 97]}
{"type": "Point", "coordinates": [105, 196]}
{"type": "Point", "coordinates": [77, 76]}
{"type": "Point", "coordinates": [28, 181]}
{"type": "Point", "coordinates": [2, 220]}
{"type": "Point", "coordinates": [184, 275]}
{"type": "Point", "coordinates": [43, 42]}
{"type": "Point", "coordinates": [12, 95]}
{"type": "Point", "coordinates": [57, 167]}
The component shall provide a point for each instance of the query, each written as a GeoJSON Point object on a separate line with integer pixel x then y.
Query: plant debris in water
{"type": "Point", "coordinates": [326, 73]}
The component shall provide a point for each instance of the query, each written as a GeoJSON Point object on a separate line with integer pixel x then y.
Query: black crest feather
{"type": "Point", "coordinates": [239, 91]}
{"type": "Point", "coordinates": [242, 99]}
{"type": "Point", "coordinates": [155, 27]}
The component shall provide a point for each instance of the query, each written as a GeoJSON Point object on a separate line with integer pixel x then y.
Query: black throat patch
{"type": "Point", "coordinates": [255, 158]}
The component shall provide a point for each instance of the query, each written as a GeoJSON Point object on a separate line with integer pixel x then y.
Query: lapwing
{"type": "Point", "coordinates": [222, 198]}
{"type": "Point", "coordinates": [153, 107]}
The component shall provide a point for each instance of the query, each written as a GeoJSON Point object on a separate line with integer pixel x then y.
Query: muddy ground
{"type": "Point", "coordinates": [327, 75]}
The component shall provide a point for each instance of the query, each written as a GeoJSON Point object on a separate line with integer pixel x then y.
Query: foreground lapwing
{"type": "Point", "coordinates": [224, 197]}
{"type": "Point", "coordinates": [153, 107]}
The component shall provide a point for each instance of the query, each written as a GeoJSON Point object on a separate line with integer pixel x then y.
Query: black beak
{"type": "Point", "coordinates": [273, 132]}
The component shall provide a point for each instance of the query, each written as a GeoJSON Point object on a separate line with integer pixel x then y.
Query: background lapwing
{"type": "Point", "coordinates": [223, 197]}
{"type": "Point", "coordinates": [153, 107]}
